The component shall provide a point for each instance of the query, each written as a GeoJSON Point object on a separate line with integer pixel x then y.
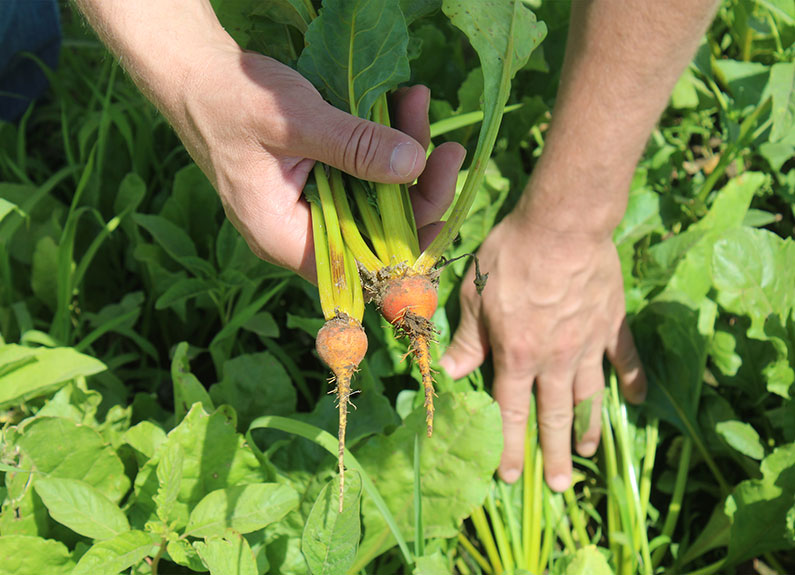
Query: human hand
{"type": "Point", "coordinates": [256, 127]}
{"type": "Point", "coordinates": [553, 305]}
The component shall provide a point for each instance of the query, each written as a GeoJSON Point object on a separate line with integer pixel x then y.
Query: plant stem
{"type": "Point", "coordinates": [652, 434]}
{"type": "Point", "coordinates": [484, 534]}
{"type": "Point", "coordinates": [575, 517]}
{"type": "Point", "coordinates": [371, 219]}
{"type": "Point", "coordinates": [611, 473]}
{"type": "Point", "coordinates": [513, 525]}
{"type": "Point", "coordinates": [675, 506]}
{"type": "Point", "coordinates": [350, 231]}
{"type": "Point", "coordinates": [709, 569]}
{"type": "Point", "coordinates": [499, 533]}
{"type": "Point", "coordinates": [159, 555]}
{"type": "Point", "coordinates": [463, 120]}
{"type": "Point", "coordinates": [486, 141]}
{"type": "Point", "coordinates": [322, 264]}
{"type": "Point", "coordinates": [475, 554]}
{"type": "Point", "coordinates": [549, 538]}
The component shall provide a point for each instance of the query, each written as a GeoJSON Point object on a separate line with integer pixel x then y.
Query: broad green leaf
{"type": "Point", "coordinates": [754, 275]}
{"type": "Point", "coordinates": [742, 437]}
{"type": "Point", "coordinates": [81, 508]}
{"type": "Point", "coordinates": [61, 448]}
{"type": "Point", "coordinates": [497, 30]}
{"type": "Point", "coordinates": [356, 51]}
{"type": "Point", "coordinates": [782, 88]}
{"type": "Point", "coordinates": [183, 290]}
{"type": "Point", "coordinates": [41, 371]}
{"type": "Point", "coordinates": [416, 9]}
{"type": "Point", "coordinates": [746, 81]}
{"type": "Point", "coordinates": [714, 534]}
{"type": "Point", "coordinates": [183, 553]}
{"type": "Point", "coordinates": [685, 94]}
{"type": "Point", "coordinates": [331, 538]}
{"type": "Point", "coordinates": [641, 217]}
{"type": "Point", "coordinates": [113, 556]}
{"type": "Point", "coordinates": [585, 561]}
{"type": "Point", "coordinates": [145, 438]}
{"type": "Point", "coordinates": [226, 555]}
{"type": "Point", "coordinates": [7, 207]}
{"type": "Point", "coordinates": [466, 442]}
{"type": "Point", "coordinates": [244, 508]}
{"type": "Point", "coordinates": [759, 508]}
{"type": "Point", "coordinates": [255, 385]}
{"type": "Point", "coordinates": [309, 325]}
{"type": "Point", "coordinates": [132, 191]}
{"type": "Point", "coordinates": [25, 555]}
{"type": "Point", "coordinates": [188, 390]}
{"type": "Point", "coordinates": [193, 205]}
{"type": "Point", "coordinates": [215, 457]}
{"type": "Point", "coordinates": [23, 512]}
{"type": "Point", "coordinates": [169, 478]}
{"type": "Point", "coordinates": [291, 12]}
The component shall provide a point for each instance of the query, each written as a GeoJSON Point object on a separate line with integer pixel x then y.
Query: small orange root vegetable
{"type": "Point", "coordinates": [341, 343]}
{"type": "Point", "coordinates": [408, 303]}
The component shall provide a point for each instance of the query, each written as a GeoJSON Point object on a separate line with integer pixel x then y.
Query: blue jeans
{"type": "Point", "coordinates": [26, 26]}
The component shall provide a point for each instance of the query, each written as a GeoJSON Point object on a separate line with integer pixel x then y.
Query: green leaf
{"type": "Point", "coordinates": [434, 564]}
{"type": "Point", "coordinates": [746, 81]}
{"type": "Point", "coordinates": [228, 554]}
{"type": "Point", "coordinates": [183, 290]}
{"type": "Point", "coordinates": [244, 508]}
{"type": "Point", "coordinates": [7, 207]}
{"type": "Point", "coordinates": [467, 442]}
{"type": "Point", "coordinates": [742, 437]}
{"type": "Point", "coordinates": [145, 438]}
{"type": "Point", "coordinates": [42, 279]}
{"type": "Point", "coordinates": [25, 555]}
{"type": "Point", "coordinates": [496, 28]}
{"type": "Point", "coordinates": [291, 12]}
{"type": "Point", "coordinates": [416, 9]}
{"type": "Point", "coordinates": [255, 385]}
{"type": "Point", "coordinates": [40, 371]}
{"type": "Point", "coordinates": [188, 390]}
{"type": "Point", "coordinates": [355, 51]}
{"type": "Point", "coordinates": [759, 508]}
{"type": "Point", "coordinates": [331, 538]}
{"type": "Point", "coordinates": [183, 553]}
{"type": "Point", "coordinates": [175, 241]}
{"type": "Point", "coordinates": [115, 555]}
{"type": "Point", "coordinates": [215, 457]}
{"type": "Point", "coordinates": [782, 88]}
{"type": "Point", "coordinates": [169, 478]}
{"type": "Point", "coordinates": [61, 448]}
{"type": "Point", "coordinates": [81, 508]}
{"type": "Point", "coordinates": [585, 561]}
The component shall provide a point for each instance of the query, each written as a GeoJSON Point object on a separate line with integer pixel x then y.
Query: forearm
{"type": "Point", "coordinates": [160, 43]}
{"type": "Point", "coordinates": [622, 60]}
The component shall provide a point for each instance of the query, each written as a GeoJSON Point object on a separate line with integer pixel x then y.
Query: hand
{"type": "Point", "coordinates": [553, 305]}
{"type": "Point", "coordinates": [256, 127]}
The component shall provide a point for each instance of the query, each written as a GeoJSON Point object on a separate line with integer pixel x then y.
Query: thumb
{"type": "Point", "coordinates": [469, 345]}
{"type": "Point", "coordinates": [364, 149]}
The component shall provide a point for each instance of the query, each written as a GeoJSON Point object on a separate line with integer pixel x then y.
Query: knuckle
{"type": "Point", "coordinates": [514, 415]}
{"type": "Point", "coordinates": [555, 419]}
{"type": "Point", "coordinates": [516, 355]}
{"type": "Point", "coordinates": [361, 148]}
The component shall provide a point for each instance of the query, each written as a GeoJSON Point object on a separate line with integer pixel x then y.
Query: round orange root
{"type": "Point", "coordinates": [341, 343]}
{"type": "Point", "coordinates": [416, 294]}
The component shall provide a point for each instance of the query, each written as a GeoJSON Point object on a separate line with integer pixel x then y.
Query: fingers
{"type": "Point", "coordinates": [411, 113]}
{"type": "Point", "coordinates": [470, 343]}
{"type": "Point", "coordinates": [435, 188]}
{"type": "Point", "coordinates": [589, 384]}
{"type": "Point", "coordinates": [512, 391]}
{"type": "Point", "coordinates": [624, 356]}
{"type": "Point", "coordinates": [364, 149]}
{"type": "Point", "coordinates": [555, 415]}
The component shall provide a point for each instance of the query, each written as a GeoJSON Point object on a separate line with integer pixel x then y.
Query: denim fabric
{"type": "Point", "coordinates": [26, 26]}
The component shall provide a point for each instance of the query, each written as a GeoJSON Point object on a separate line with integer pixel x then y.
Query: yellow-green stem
{"type": "Point", "coordinates": [350, 231]}
{"type": "Point", "coordinates": [341, 287]}
{"type": "Point", "coordinates": [484, 534]}
{"type": "Point", "coordinates": [322, 264]}
{"type": "Point", "coordinates": [499, 534]}
{"type": "Point", "coordinates": [475, 554]}
{"type": "Point", "coordinates": [371, 219]}
{"type": "Point", "coordinates": [357, 303]}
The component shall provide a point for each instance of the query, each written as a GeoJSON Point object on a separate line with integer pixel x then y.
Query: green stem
{"type": "Point", "coordinates": [158, 556]}
{"type": "Point", "coordinates": [716, 567]}
{"type": "Point", "coordinates": [463, 120]}
{"type": "Point", "coordinates": [486, 141]}
{"type": "Point", "coordinates": [484, 534]}
{"type": "Point", "coordinates": [549, 539]}
{"type": "Point", "coordinates": [652, 434]}
{"type": "Point", "coordinates": [475, 554]}
{"type": "Point", "coordinates": [575, 517]}
{"type": "Point", "coordinates": [350, 231]}
{"type": "Point", "coordinates": [513, 525]}
{"type": "Point", "coordinates": [611, 473]}
{"type": "Point", "coordinates": [322, 264]}
{"type": "Point", "coordinates": [499, 533]}
{"type": "Point", "coordinates": [371, 219]}
{"type": "Point", "coordinates": [675, 506]}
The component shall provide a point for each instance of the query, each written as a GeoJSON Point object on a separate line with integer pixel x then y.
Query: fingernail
{"type": "Point", "coordinates": [510, 475]}
{"type": "Point", "coordinates": [587, 449]}
{"type": "Point", "coordinates": [558, 482]}
{"type": "Point", "coordinates": [404, 156]}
